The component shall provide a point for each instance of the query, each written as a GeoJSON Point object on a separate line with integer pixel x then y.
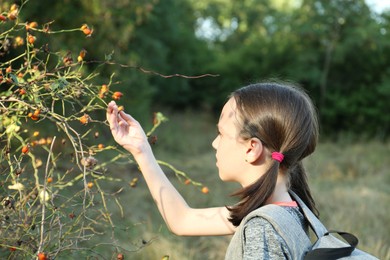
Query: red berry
{"type": "Point", "coordinates": [117, 95]}
{"type": "Point", "coordinates": [25, 149]}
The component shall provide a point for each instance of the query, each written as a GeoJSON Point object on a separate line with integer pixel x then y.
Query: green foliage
{"type": "Point", "coordinates": [338, 50]}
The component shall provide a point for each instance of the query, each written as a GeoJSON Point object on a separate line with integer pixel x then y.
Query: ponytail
{"type": "Point", "coordinates": [299, 185]}
{"type": "Point", "coordinates": [254, 195]}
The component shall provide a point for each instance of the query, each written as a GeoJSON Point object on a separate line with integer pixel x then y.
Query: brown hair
{"type": "Point", "coordinates": [284, 119]}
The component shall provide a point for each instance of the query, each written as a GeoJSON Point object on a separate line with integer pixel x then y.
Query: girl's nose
{"type": "Point", "coordinates": [214, 144]}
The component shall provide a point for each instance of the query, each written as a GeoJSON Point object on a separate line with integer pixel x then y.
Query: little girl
{"type": "Point", "coordinates": [264, 132]}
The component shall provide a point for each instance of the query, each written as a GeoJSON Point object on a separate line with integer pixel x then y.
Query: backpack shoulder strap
{"type": "Point", "coordinates": [318, 228]}
{"type": "Point", "coordinates": [287, 227]}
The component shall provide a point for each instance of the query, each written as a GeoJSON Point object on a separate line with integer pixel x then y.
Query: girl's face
{"type": "Point", "coordinates": [230, 150]}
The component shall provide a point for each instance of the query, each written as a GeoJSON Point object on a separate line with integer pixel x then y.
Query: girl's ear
{"type": "Point", "coordinates": [254, 150]}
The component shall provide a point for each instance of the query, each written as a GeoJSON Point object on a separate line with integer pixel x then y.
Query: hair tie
{"type": "Point", "coordinates": [277, 156]}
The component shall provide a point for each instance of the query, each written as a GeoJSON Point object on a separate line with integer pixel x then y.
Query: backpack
{"type": "Point", "coordinates": [326, 247]}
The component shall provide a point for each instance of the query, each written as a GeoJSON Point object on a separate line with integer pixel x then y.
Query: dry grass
{"type": "Point", "coordinates": [351, 185]}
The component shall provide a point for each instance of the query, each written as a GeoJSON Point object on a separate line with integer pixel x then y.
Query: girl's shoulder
{"type": "Point", "coordinates": [295, 212]}
{"type": "Point", "coordinates": [260, 222]}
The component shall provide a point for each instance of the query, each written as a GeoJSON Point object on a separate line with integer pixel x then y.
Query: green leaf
{"type": "Point", "coordinates": [14, 79]}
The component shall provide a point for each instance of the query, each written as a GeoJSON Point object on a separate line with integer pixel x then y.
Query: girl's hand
{"type": "Point", "coordinates": [126, 131]}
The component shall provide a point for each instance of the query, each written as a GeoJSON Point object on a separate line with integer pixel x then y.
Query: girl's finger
{"type": "Point", "coordinates": [112, 111]}
{"type": "Point", "coordinates": [122, 121]}
{"type": "Point", "coordinates": [128, 118]}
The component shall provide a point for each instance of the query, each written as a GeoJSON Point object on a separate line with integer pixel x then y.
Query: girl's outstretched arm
{"type": "Point", "coordinates": [180, 218]}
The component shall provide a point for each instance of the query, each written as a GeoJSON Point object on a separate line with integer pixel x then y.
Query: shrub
{"type": "Point", "coordinates": [50, 172]}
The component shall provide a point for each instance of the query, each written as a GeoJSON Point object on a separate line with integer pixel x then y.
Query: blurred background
{"type": "Point", "coordinates": [183, 57]}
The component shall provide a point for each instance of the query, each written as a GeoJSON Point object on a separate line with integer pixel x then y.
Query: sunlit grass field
{"type": "Point", "coordinates": [350, 182]}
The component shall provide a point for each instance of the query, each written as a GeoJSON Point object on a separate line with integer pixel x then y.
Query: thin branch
{"type": "Point", "coordinates": [44, 196]}
{"type": "Point", "coordinates": [154, 72]}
